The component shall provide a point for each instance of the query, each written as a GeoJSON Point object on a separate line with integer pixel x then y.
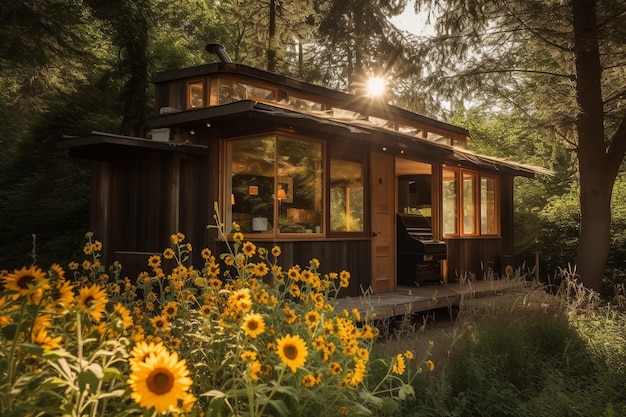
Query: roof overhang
{"type": "Point", "coordinates": [104, 146]}
{"type": "Point", "coordinates": [229, 115]}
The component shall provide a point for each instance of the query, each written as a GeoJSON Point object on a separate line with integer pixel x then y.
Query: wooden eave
{"type": "Point", "coordinates": [100, 146]}
{"type": "Point", "coordinates": [230, 118]}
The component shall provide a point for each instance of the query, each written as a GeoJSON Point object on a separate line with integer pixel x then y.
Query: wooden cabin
{"type": "Point", "coordinates": [319, 172]}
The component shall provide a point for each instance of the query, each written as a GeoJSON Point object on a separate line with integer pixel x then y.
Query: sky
{"type": "Point", "coordinates": [412, 22]}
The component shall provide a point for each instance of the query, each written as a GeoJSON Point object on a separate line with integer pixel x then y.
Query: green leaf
{"type": "Point", "coordinates": [389, 406]}
{"type": "Point", "coordinates": [405, 392]}
{"type": "Point", "coordinates": [88, 380]}
{"type": "Point", "coordinates": [9, 331]}
{"type": "Point", "coordinates": [216, 405]}
{"type": "Point", "coordinates": [32, 348]}
{"type": "Point", "coordinates": [280, 407]}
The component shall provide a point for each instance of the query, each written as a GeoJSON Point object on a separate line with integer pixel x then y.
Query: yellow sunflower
{"type": "Point", "coordinates": [260, 269]}
{"type": "Point", "coordinates": [292, 351]}
{"type": "Point", "coordinates": [253, 324]}
{"type": "Point", "coordinates": [249, 249]}
{"type": "Point", "coordinates": [28, 282]}
{"type": "Point", "coordinates": [255, 370]}
{"type": "Point", "coordinates": [92, 300]}
{"type": "Point", "coordinates": [276, 251]}
{"type": "Point", "coordinates": [312, 318]}
{"type": "Point", "coordinates": [290, 314]}
{"type": "Point", "coordinates": [125, 319]}
{"type": "Point", "coordinates": [170, 310]}
{"type": "Point", "coordinates": [238, 236]}
{"type": "Point", "coordinates": [154, 261]}
{"type": "Point", "coordinates": [142, 350]}
{"type": "Point", "coordinates": [160, 382]}
{"type": "Point", "coordinates": [41, 338]}
{"type": "Point", "coordinates": [399, 366]}
{"type": "Point", "coordinates": [160, 323]}
{"type": "Point", "coordinates": [431, 365]}
{"type": "Point", "coordinates": [309, 381]}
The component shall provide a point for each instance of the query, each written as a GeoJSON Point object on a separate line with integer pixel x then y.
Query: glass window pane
{"type": "Point", "coordinates": [195, 94]}
{"type": "Point", "coordinates": [346, 195]}
{"type": "Point", "coordinates": [252, 167]}
{"type": "Point", "coordinates": [450, 202]}
{"type": "Point", "coordinates": [299, 186]}
{"type": "Point", "coordinates": [468, 204]}
{"type": "Point", "coordinates": [488, 216]}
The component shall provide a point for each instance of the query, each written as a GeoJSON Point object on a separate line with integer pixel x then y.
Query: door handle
{"type": "Point", "coordinates": [374, 234]}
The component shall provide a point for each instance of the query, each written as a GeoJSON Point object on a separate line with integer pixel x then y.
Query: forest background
{"type": "Point", "coordinates": [537, 81]}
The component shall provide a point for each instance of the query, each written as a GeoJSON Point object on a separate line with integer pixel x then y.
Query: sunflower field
{"type": "Point", "coordinates": [240, 336]}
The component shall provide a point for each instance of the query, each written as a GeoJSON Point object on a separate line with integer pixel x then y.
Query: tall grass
{"type": "Point", "coordinates": [526, 354]}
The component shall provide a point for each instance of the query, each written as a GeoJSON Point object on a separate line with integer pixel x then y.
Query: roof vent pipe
{"type": "Point", "coordinates": [218, 49]}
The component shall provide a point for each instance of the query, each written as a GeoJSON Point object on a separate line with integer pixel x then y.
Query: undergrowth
{"type": "Point", "coordinates": [525, 354]}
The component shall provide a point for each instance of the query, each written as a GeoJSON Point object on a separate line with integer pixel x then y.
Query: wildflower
{"type": "Point", "coordinates": [314, 263]}
{"type": "Point", "coordinates": [86, 264]}
{"type": "Point", "coordinates": [93, 300]}
{"type": "Point", "coordinates": [431, 365]}
{"type": "Point", "coordinates": [253, 324]}
{"type": "Point", "coordinates": [294, 274]}
{"type": "Point", "coordinates": [154, 261]}
{"type": "Point", "coordinates": [408, 354]}
{"type": "Point", "coordinates": [170, 310]}
{"type": "Point", "coordinates": [260, 269]}
{"type": "Point", "coordinates": [344, 279]}
{"type": "Point", "coordinates": [248, 356]}
{"type": "Point", "coordinates": [335, 368]}
{"type": "Point", "coordinates": [229, 260]}
{"type": "Point", "coordinates": [41, 338]}
{"type": "Point", "coordinates": [290, 314]}
{"type": "Point", "coordinates": [142, 350]}
{"type": "Point", "coordinates": [255, 370]}
{"type": "Point", "coordinates": [308, 380]}
{"type": "Point", "coordinates": [206, 253]}
{"type": "Point", "coordinates": [126, 320]}
{"type": "Point", "coordinates": [30, 283]}
{"type": "Point", "coordinates": [343, 411]}
{"type": "Point", "coordinates": [312, 318]}
{"type": "Point", "coordinates": [160, 381]}
{"type": "Point", "coordinates": [399, 366]}
{"type": "Point", "coordinates": [159, 323]}
{"type": "Point", "coordinates": [238, 236]}
{"type": "Point", "coordinates": [177, 238]}
{"type": "Point", "coordinates": [294, 290]}
{"type": "Point", "coordinates": [168, 253]}
{"type": "Point", "coordinates": [72, 266]}
{"type": "Point", "coordinates": [292, 351]}
{"type": "Point", "coordinates": [249, 249]}
{"type": "Point", "coordinates": [276, 251]}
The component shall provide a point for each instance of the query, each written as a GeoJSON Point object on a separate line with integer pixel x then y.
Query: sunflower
{"type": "Point", "coordinates": [292, 351]}
{"type": "Point", "coordinates": [276, 251]}
{"type": "Point", "coordinates": [142, 350]}
{"type": "Point", "coordinates": [238, 236]}
{"type": "Point", "coordinates": [170, 310]}
{"type": "Point", "coordinates": [62, 296]}
{"type": "Point", "coordinates": [160, 382]}
{"type": "Point", "coordinates": [41, 338]}
{"type": "Point", "coordinates": [93, 300]}
{"type": "Point", "coordinates": [260, 269]}
{"type": "Point", "coordinates": [125, 319]}
{"type": "Point", "coordinates": [160, 323]}
{"type": "Point", "coordinates": [206, 253]}
{"type": "Point", "coordinates": [294, 274]}
{"type": "Point", "coordinates": [30, 283]}
{"type": "Point", "coordinates": [399, 366]}
{"type": "Point", "coordinates": [254, 370]}
{"type": "Point", "coordinates": [168, 253]}
{"type": "Point", "coordinates": [312, 318]}
{"type": "Point", "coordinates": [253, 324]}
{"type": "Point", "coordinates": [431, 365]}
{"type": "Point", "coordinates": [249, 249]}
{"type": "Point", "coordinates": [290, 314]}
{"type": "Point", "coordinates": [335, 368]}
{"type": "Point", "coordinates": [154, 261]}
{"type": "Point", "coordinates": [309, 381]}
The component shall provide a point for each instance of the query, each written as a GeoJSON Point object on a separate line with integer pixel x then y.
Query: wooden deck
{"type": "Point", "coordinates": [407, 300]}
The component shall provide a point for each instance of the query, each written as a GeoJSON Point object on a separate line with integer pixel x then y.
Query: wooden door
{"type": "Point", "coordinates": [383, 208]}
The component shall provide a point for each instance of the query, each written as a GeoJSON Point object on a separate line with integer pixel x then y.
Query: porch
{"type": "Point", "coordinates": [407, 300]}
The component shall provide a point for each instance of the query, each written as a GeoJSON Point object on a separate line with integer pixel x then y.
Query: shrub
{"type": "Point", "coordinates": [238, 336]}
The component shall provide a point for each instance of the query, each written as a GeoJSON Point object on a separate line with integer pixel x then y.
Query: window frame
{"type": "Point", "coordinates": [274, 232]}
{"type": "Point", "coordinates": [475, 177]}
{"type": "Point", "coordinates": [357, 156]}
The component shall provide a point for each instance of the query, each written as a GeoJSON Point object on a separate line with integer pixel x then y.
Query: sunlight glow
{"type": "Point", "coordinates": [376, 87]}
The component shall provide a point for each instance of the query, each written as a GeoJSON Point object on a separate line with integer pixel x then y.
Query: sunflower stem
{"type": "Point", "coordinates": [274, 389]}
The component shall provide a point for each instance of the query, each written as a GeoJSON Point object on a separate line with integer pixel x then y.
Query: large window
{"type": "Point", "coordinates": [347, 200]}
{"type": "Point", "coordinates": [276, 184]}
{"type": "Point", "coordinates": [476, 212]}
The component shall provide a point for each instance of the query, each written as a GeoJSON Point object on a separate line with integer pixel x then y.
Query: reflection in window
{"type": "Point", "coordinates": [195, 94]}
{"type": "Point", "coordinates": [265, 193]}
{"type": "Point", "coordinates": [299, 186]}
{"type": "Point", "coordinates": [346, 195]}
{"type": "Point", "coordinates": [488, 206]}
{"type": "Point", "coordinates": [252, 195]}
{"type": "Point", "coordinates": [231, 91]}
{"type": "Point", "coordinates": [450, 202]}
{"type": "Point", "coordinates": [468, 204]}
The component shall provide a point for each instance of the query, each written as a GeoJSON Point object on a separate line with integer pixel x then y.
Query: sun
{"type": "Point", "coordinates": [376, 87]}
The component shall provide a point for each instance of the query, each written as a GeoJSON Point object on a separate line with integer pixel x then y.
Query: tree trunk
{"type": "Point", "coordinates": [595, 183]}
{"type": "Point", "coordinates": [271, 51]}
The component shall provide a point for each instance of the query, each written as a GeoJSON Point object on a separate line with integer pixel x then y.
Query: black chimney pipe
{"type": "Point", "coordinates": [218, 49]}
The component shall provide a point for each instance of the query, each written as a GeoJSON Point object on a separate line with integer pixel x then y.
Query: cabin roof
{"type": "Point", "coordinates": [225, 114]}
